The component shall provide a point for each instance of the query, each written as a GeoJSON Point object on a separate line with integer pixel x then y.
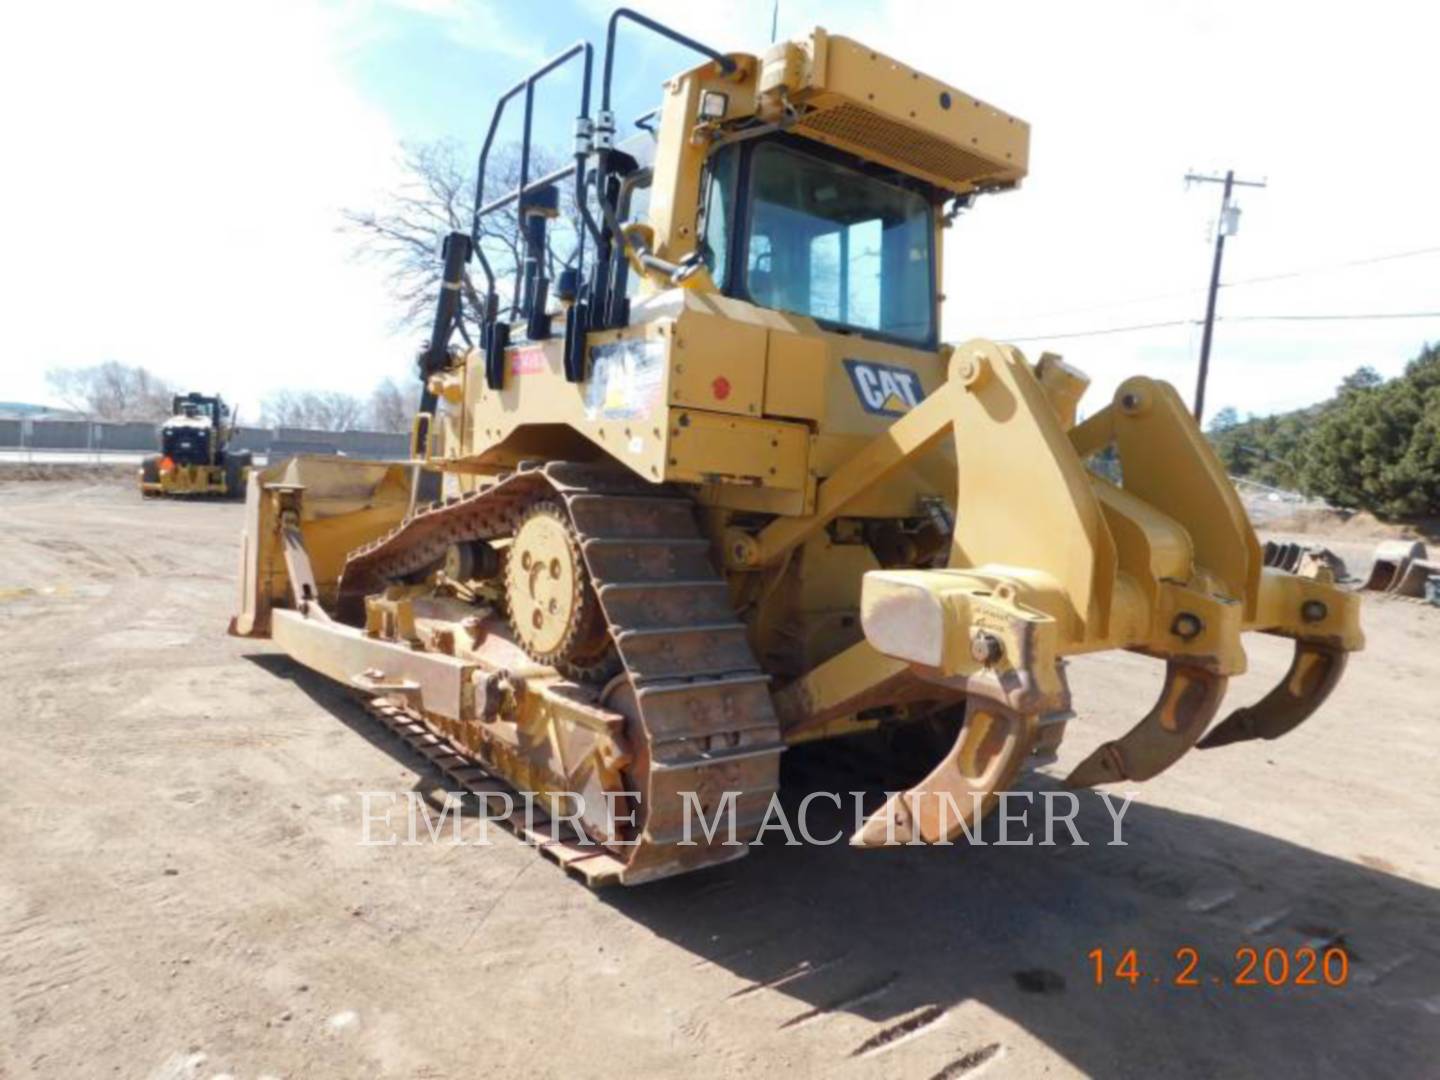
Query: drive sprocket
{"type": "Point", "coordinates": [553, 609]}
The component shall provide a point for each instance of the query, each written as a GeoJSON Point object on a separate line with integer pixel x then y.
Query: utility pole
{"type": "Point", "coordinates": [1226, 225]}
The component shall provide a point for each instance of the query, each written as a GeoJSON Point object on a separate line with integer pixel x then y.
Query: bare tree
{"type": "Point", "coordinates": [391, 408]}
{"type": "Point", "coordinates": [329, 410]}
{"type": "Point", "coordinates": [437, 197]}
{"type": "Point", "coordinates": [112, 391]}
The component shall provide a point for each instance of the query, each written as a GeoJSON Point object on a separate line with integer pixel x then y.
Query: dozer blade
{"type": "Point", "coordinates": [1188, 702]}
{"type": "Point", "coordinates": [1313, 673]}
{"type": "Point", "coordinates": [962, 788]}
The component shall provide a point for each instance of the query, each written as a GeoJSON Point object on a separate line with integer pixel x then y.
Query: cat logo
{"type": "Point", "coordinates": [883, 389]}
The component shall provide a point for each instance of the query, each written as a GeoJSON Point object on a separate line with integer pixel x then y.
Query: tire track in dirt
{"type": "Point", "coordinates": [970, 1061]}
{"type": "Point", "coordinates": [920, 1022]}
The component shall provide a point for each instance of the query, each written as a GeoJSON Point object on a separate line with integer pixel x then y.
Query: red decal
{"type": "Point", "coordinates": [527, 361]}
{"type": "Point", "coordinates": [720, 387]}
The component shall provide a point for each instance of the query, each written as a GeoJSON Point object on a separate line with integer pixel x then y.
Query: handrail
{"type": "Point", "coordinates": [529, 189]}
{"type": "Point", "coordinates": [527, 86]}
{"type": "Point", "coordinates": [594, 308]}
{"type": "Point", "coordinates": [727, 65]}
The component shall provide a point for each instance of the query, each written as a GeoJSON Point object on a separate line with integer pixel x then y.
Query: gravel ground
{"type": "Point", "coordinates": [183, 891]}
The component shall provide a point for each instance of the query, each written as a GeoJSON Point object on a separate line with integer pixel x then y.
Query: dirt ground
{"type": "Point", "coordinates": [183, 891]}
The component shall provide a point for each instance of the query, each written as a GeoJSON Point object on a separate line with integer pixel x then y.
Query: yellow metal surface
{"type": "Point", "coordinates": [718, 364]}
{"type": "Point", "coordinates": [1281, 609]}
{"type": "Point", "coordinates": [544, 583]}
{"type": "Point", "coordinates": [880, 109]}
{"type": "Point", "coordinates": [706, 447]}
{"type": "Point", "coordinates": [837, 689]}
{"type": "Point", "coordinates": [188, 480]}
{"type": "Point", "coordinates": [1063, 385]}
{"type": "Point", "coordinates": [1022, 486]}
{"type": "Point", "coordinates": [906, 438]}
{"type": "Point", "coordinates": [683, 146]}
{"type": "Point", "coordinates": [796, 375]}
{"type": "Point", "coordinates": [344, 503]}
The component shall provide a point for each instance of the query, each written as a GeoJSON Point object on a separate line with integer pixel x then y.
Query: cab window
{"type": "Point", "coordinates": [838, 245]}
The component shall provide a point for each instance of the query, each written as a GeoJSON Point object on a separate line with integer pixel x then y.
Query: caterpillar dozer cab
{"type": "Point", "coordinates": [195, 457]}
{"type": "Point", "coordinates": [721, 488]}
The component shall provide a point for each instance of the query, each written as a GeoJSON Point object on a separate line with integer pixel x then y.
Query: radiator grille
{"type": "Point", "coordinates": [923, 152]}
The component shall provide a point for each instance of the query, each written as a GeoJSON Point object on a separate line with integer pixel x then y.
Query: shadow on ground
{"type": "Point", "coordinates": [902, 936]}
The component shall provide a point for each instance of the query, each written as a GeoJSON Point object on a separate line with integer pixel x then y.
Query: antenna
{"type": "Point", "coordinates": [774, 20]}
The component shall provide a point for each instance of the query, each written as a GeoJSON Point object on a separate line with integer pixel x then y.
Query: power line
{"type": "Point", "coordinates": [1346, 317]}
{"type": "Point", "coordinates": [1331, 266]}
{"type": "Point", "coordinates": [1335, 318]}
{"type": "Point", "coordinates": [1241, 282]}
{"type": "Point", "coordinates": [1101, 332]}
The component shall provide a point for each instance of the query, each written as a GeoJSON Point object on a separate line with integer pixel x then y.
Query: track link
{"type": "Point", "coordinates": [698, 702]}
{"type": "Point", "coordinates": [587, 862]}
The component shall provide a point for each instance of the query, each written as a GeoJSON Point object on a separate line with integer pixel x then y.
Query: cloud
{"type": "Point", "coordinates": [177, 173]}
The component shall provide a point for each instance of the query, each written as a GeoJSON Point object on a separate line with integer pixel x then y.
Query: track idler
{"type": "Point", "coordinates": [1188, 702]}
{"type": "Point", "coordinates": [1314, 671]}
{"type": "Point", "coordinates": [963, 787]}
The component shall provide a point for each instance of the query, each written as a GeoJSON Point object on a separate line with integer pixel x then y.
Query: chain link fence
{"type": "Point", "coordinates": [30, 439]}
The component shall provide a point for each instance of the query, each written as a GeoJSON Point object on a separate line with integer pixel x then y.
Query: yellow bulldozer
{"type": "Point", "coordinates": [196, 457]}
{"type": "Point", "coordinates": [721, 489]}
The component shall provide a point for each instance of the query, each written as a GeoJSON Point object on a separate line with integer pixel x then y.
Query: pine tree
{"type": "Point", "coordinates": [1376, 445]}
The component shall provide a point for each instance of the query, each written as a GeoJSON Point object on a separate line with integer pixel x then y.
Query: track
{"type": "Point", "coordinates": [697, 702]}
{"type": "Point", "coordinates": [583, 860]}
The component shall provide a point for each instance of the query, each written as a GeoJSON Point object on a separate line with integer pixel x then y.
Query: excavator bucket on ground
{"type": "Point", "coordinates": [1401, 568]}
{"type": "Point", "coordinates": [721, 489]}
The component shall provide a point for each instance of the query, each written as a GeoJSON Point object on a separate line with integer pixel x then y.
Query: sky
{"type": "Point", "coordinates": [177, 174]}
